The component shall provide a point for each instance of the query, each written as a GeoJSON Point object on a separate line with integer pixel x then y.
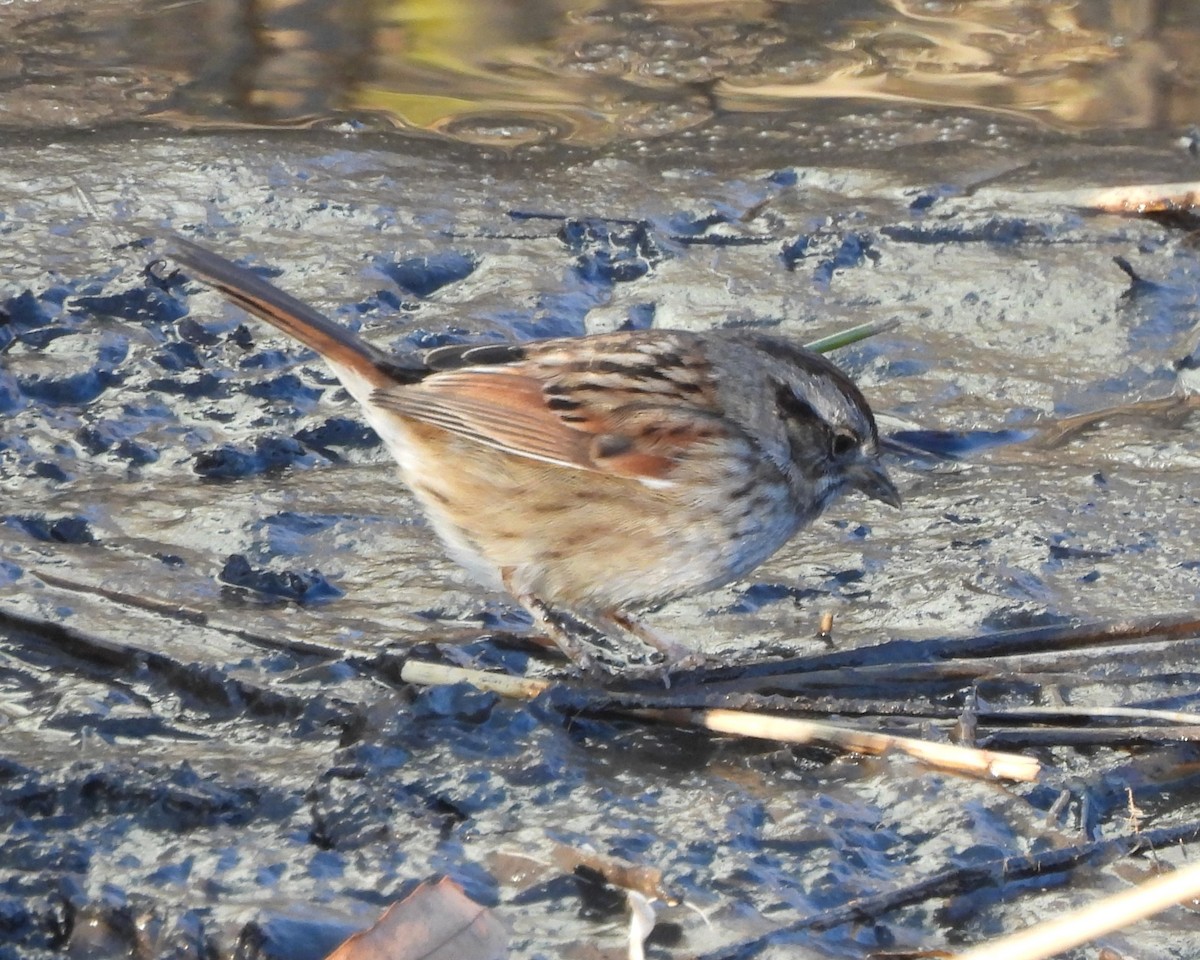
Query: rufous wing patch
{"type": "Point", "coordinates": [620, 455]}
{"type": "Point", "coordinates": [498, 408]}
{"type": "Point", "coordinates": [510, 410]}
{"type": "Point", "coordinates": [648, 441]}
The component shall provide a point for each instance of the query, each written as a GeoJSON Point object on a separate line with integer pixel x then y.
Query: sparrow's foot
{"type": "Point", "coordinates": [674, 652]}
{"type": "Point", "coordinates": [600, 648]}
{"type": "Point", "coordinates": [581, 643]}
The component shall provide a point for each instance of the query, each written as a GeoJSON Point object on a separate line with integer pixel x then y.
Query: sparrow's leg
{"type": "Point", "coordinates": [568, 633]}
{"type": "Point", "coordinates": [585, 643]}
{"type": "Point", "coordinates": [678, 656]}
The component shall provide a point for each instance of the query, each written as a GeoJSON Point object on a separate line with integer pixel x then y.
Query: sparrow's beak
{"type": "Point", "coordinates": [870, 478]}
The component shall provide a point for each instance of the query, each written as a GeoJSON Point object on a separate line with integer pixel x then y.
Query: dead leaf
{"type": "Point", "coordinates": [620, 873]}
{"type": "Point", "coordinates": [437, 921]}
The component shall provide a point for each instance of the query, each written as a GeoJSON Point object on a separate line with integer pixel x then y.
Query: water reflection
{"type": "Point", "coordinates": [1103, 63]}
{"type": "Point", "coordinates": [516, 71]}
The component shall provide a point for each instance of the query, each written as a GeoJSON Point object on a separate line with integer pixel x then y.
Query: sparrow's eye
{"type": "Point", "coordinates": [843, 442]}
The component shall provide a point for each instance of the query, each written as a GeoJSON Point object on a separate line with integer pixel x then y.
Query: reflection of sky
{"type": "Point", "coordinates": [1166, 310]}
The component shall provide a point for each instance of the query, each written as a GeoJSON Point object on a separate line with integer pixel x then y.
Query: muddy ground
{"type": "Point", "coordinates": [209, 572]}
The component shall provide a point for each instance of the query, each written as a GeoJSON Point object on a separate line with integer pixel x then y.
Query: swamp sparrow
{"type": "Point", "coordinates": [600, 475]}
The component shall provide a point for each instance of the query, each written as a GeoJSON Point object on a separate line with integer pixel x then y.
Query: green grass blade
{"type": "Point", "coordinates": [846, 337]}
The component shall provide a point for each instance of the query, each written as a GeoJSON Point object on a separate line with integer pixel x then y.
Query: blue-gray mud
{"type": "Point", "coordinates": [209, 569]}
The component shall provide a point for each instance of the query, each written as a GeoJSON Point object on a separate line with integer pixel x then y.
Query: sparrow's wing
{"type": "Point", "coordinates": [627, 406]}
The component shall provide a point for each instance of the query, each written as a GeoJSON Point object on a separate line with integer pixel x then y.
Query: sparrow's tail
{"type": "Point", "coordinates": [343, 349]}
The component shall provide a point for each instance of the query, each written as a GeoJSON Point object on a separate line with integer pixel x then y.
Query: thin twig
{"type": "Point", "coordinates": [955, 653]}
{"type": "Point", "coordinates": [174, 610]}
{"type": "Point", "coordinates": [743, 723]}
{"type": "Point", "coordinates": [960, 880]}
{"type": "Point", "coordinates": [1048, 736]}
{"type": "Point", "coordinates": [1057, 432]}
{"type": "Point", "coordinates": [1087, 923]}
{"type": "Point", "coordinates": [1090, 713]}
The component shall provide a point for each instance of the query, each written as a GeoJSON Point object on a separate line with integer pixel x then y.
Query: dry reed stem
{"type": "Point", "coordinates": [1142, 197]}
{"type": "Point", "coordinates": [1087, 923]}
{"type": "Point", "coordinates": [944, 756]}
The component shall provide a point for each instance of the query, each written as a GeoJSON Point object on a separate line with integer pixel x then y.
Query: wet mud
{"type": "Point", "coordinates": [210, 574]}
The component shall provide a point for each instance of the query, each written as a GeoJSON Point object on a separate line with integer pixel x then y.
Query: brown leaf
{"type": "Point", "coordinates": [437, 921]}
{"type": "Point", "coordinates": [620, 873]}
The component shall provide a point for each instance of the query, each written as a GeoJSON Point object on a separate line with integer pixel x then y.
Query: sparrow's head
{"type": "Point", "coordinates": [824, 426]}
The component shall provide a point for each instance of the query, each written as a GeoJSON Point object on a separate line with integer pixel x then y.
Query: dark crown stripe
{"type": "Point", "coordinates": [792, 407]}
